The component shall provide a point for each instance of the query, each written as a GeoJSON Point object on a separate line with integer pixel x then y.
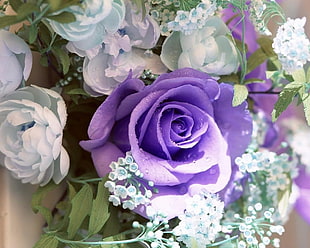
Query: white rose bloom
{"type": "Point", "coordinates": [31, 130]}
{"type": "Point", "coordinates": [15, 60]}
{"type": "Point", "coordinates": [207, 49]}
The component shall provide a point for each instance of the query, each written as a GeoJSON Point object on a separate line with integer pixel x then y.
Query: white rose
{"type": "Point", "coordinates": [207, 49]}
{"type": "Point", "coordinates": [31, 130]}
{"type": "Point", "coordinates": [15, 60]}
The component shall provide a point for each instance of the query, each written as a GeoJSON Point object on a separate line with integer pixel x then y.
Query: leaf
{"type": "Point", "coordinates": [256, 59]}
{"type": "Point", "coordinates": [37, 198]}
{"type": "Point", "coordinates": [299, 76]}
{"type": "Point", "coordinates": [285, 98]}
{"type": "Point", "coordinates": [283, 199]}
{"type": "Point", "coordinates": [63, 17]}
{"type": "Point", "coordinates": [15, 4]}
{"type": "Point", "coordinates": [47, 241]}
{"type": "Point", "coordinates": [26, 9]}
{"type": "Point", "coordinates": [63, 57]}
{"type": "Point", "coordinates": [240, 94]}
{"type": "Point", "coordinates": [77, 91]}
{"type": "Point", "coordinates": [55, 4]}
{"type": "Point", "coordinates": [266, 45]}
{"type": "Point", "coordinates": [81, 207]}
{"type": "Point", "coordinates": [100, 210]}
{"type": "Point", "coordinates": [8, 20]}
{"type": "Point", "coordinates": [306, 103]}
{"type": "Point", "coordinates": [33, 33]}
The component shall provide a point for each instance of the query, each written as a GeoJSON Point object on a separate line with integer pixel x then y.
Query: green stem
{"type": "Point", "coordinates": [223, 241]}
{"type": "Point", "coordinates": [115, 242]}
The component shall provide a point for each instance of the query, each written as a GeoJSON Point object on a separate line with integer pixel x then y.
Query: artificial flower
{"type": "Point", "coordinates": [16, 62]}
{"type": "Point", "coordinates": [180, 130]}
{"type": "Point", "coordinates": [31, 127]}
{"type": "Point", "coordinates": [94, 20]}
{"type": "Point", "coordinates": [207, 49]}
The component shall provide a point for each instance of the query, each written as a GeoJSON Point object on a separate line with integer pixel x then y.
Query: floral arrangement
{"type": "Point", "coordinates": [168, 123]}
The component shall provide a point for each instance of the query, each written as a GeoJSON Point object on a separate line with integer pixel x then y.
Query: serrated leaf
{"type": "Point", "coordinates": [240, 94]}
{"type": "Point", "coordinates": [299, 76]}
{"type": "Point", "coordinates": [285, 98]}
{"type": "Point", "coordinates": [26, 9]}
{"type": "Point", "coordinates": [306, 103]}
{"type": "Point", "coordinates": [47, 241]}
{"type": "Point", "coordinates": [256, 59]}
{"type": "Point", "coordinates": [63, 58]}
{"type": "Point", "coordinates": [63, 17]}
{"type": "Point", "coordinates": [100, 210]}
{"type": "Point", "coordinates": [15, 4]}
{"type": "Point", "coordinates": [81, 207]}
{"type": "Point", "coordinates": [8, 20]}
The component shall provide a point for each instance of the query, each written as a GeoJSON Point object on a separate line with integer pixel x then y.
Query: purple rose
{"type": "Point", "coordinates": [182, 131]}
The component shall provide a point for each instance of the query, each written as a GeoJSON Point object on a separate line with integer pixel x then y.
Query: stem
{"type": "Point", "coordinates": [223, 241]}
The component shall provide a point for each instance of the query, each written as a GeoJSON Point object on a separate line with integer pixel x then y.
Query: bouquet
{"type": "Point", "coordinates": [168, 123]}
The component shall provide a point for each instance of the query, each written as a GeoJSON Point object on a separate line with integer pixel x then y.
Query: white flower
{"type": "Point", "coordinates": [31, 129]}
{"type": "Point", "coordinates": [207, 49]}
{"type": "Point", "coordinates": [94, 20]}
{"type": "Point", "coordinates": [15, 60]}
{"type": "Point", "coordinates": [104, 72]}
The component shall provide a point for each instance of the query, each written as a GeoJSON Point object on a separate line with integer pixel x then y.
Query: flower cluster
{"type": "Point", "coordinates": [125, 184]}
{"type": "Point", "coordinates": [292, 45]}
{"type": "Point", "coordinates": [200, 223]}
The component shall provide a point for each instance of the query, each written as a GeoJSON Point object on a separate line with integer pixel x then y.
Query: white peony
{"type": "Point", "coordinates": [15, 60]}
{"type": "Point", "coordinates": [207, 49]}
{"type": "Point", "coordinates": [31, 130]}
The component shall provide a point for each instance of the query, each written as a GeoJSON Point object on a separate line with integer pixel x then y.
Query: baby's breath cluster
{"type": "Point", "coordinates": [269, 175]}
{"type": "Point", "coordinates": [188, 21]}
{"type": "Point", "coordinates": [200, 223]}
{"type": "Point", "coordinates": [156, 232]}
{"type": "Point", "coordinates": [292, 45]}
{"type": "Point", "coordinates": [256, 229]}
{"type": "Point", "coordinates": [126, 184]}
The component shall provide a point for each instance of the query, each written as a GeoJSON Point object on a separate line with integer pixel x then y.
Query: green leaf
{"type": "Point", "coordinates": [26, 9]}
{"type": "Point", "coordinates": [265, 43]}
{"type": "Point", "coordinates": [15, 4]}
{"type": "Point", "coordinates": [240, 94]}
{"type": "Point", "coordinates": [77, 91]}
{"type": "Point", "coordinates": [100, 210]}
{"type": "Point", "coordinates": [306, 103]}
{"type": "Point", "coordinates": [63, 57]}
{"type": "Point", "coordinates": [33, 33]}
{"type": "Point", "coordinates": [256, 59]}
{"type": "Point", "coordinates": [37, 198]}
{"type": "Point", "coordinates": [285, 98]}
{"type": "Point", "coordinates": [8, 20]}
{"type": "Point", "coordinates": [55, 4]}
{"type": "Point", "coordinates": [63, 17]}
{"type": "Point", "coordinates": [81, 207]}
{"type": "Point", "coordinates": [47, 241]}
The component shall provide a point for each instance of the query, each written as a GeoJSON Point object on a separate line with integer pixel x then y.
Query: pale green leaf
{"type": "Point", "coordinates": [308, 75]}
{"type": "Point", "coordinates": [299, 76]}
{"type": "Point", "coordinates": [77, 91]}
{"type": "Point", "coordinates": [285, 98]}
{"type": "Point", "coordinates": [63, 17]}
{"type": "Point", "coordinates": [240, 94]}
{"type": "Point", "coordinates": [55, 4]}
{"type": "Point", "coordinates": [283, 199]}
{"type": "Point", "coordinates": [33, 33]}
{"type": "Point", "coordinates": [47, 241]}
{"type": "Point", "coordinates": [100, 210]}
{"type": "Point", "coordinates": [81, 207]}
